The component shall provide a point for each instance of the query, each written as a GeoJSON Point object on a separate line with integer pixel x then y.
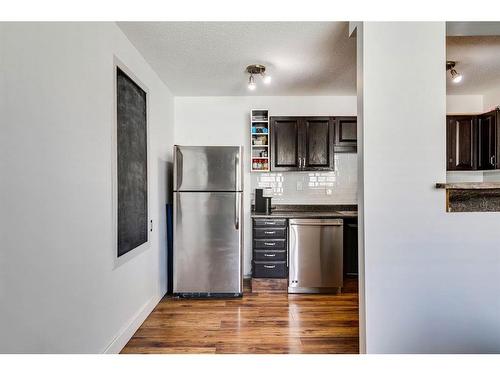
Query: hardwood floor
{"type": "Point", "coordinates": [258, 323]}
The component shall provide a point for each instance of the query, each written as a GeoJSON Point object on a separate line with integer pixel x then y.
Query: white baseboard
{"type": "Point", "coordinates": [132, 326]}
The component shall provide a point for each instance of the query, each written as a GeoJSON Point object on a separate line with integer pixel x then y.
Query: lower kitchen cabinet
{"type": "Point", "coordinates": [270, 270]}
{"type": "Point", "coordinates": [270, 250]}
{"type": "Point", "coordinates": [351, 246]}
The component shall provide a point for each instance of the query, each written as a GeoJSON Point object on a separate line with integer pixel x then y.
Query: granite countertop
{"type": "Point", "coordinates": [310, 211]}
{"type": "Point", "coordinates": [469, 185]}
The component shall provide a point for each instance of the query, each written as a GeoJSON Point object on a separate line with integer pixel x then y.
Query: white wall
{"type": "Point", "coordinates": [432, 278]}
{"type": "Point", "coordinates": [61, 288]}
{"type": "Point", "coordinates": [225, 121]}
{"type": "Point", "coordinates": [491, 99]}
{"type": "Point", "coordinates": [464, 104]}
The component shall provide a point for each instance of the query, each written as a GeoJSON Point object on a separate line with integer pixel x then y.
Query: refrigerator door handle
{"type": "Point", "coordinates": [237, 195]}
{"type": "Point", "coordinates": [178, 166]}
{"type": "Point", "coordinates": [237, 212]}
{"type": "Point", "coordinates": [237, 172]}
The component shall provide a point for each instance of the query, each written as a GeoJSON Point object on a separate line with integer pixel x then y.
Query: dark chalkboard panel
{"type": "Point", "coordinates": [132, 162]}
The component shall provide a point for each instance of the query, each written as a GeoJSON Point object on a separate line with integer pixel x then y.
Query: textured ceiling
{"type": "Point", "coordinates": [209, 58]}
{"type": "Point", "coordinates": [478, 59]}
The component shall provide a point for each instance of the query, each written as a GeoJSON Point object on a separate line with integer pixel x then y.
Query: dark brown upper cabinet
{"type": "Point", "coordinates": [346, 134]}
{"type": "Point", "coordinates": [302, 143]}
{"type": "Point", "coordinates": [473, 142]}
{"type": "Point", "coordinates": [461, 143]}
{"type": "Point", "coordinates": [487, 152]}
{"type": "Point", "coordinates": [286, 150]}
{"type": "Point", "coordinates": [318, 136]}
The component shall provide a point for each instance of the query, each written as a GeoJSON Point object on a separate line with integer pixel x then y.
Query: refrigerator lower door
{"type": "Point", "coordinates": [208, 244]}
{"type": "Point", "coordinates": [208, 168]}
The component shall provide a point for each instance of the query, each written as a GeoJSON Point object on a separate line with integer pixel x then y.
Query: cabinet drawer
{"type": "Point", "coordinates": [259, 223]}
{"type": "Point", "coordinates": [269, 233]}
{"type": "Point", "coordinates": [270, 269]}
{"type": "Point", "coordinates": [272, 244]}
{"type": "Point", "coordinates": [269, 255]}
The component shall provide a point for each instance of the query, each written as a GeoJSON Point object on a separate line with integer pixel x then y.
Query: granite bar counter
{"type": "Point", "coordinates": [472, 196]}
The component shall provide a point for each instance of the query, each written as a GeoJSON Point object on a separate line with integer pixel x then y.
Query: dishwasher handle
{"type": "Point", "coordinates": [316, 222]}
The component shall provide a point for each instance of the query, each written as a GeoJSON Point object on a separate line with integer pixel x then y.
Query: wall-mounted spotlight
{"type": "Point", "coordinates": [257, 69]}
{"type": "Point", "coordinates": [455, 76]}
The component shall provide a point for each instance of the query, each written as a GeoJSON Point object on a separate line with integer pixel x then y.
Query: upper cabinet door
{"type": "Point", "coordinates": [346, 134]}
{"type": "Point", "coordinates": [318, 135]}
{"type": "Point", "coordinates": [286, 147]}
{"type": "Point", "coordinates": [487, 140]}
{"type": "Point", "coordinates": [460, 150]}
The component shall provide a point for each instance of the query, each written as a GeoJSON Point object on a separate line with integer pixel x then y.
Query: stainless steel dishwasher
{"type": "Point", "coordinates": [315, 255]}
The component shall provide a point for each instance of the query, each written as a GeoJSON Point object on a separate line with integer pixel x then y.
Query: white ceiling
{"type": "Point", "coordinates": [209, 58]}
{"type": "Point", "coordinates": [478, 59]}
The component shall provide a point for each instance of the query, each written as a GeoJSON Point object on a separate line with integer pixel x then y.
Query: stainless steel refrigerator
{"type": "Point", "coordinates": [208, 221]}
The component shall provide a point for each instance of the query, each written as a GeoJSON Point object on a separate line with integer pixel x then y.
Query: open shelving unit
{"type": "Point", "coordinates": [259, 135]}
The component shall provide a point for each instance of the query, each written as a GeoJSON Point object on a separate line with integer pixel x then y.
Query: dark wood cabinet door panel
{"type": "Point", "coordinates": [269, 243]}
{"type": "Point", "coordinates": [346, 134]}
{"type": "Point", "coordinates": [270, 269]}
{"type": "Point", "coordinates": [487, 141]}
{"type": "Point", "coordinates": [351, 246]}
{"type": "Point", "coordinates": [269, 232]}
{"type": "Point", "coordinates": [461, 140]}
{"type": "Point", "coordinates": [269, 223]}
{"type": "Point", "coordinates": [285, 143]}
{"type": "Point", "coordinates": [269, 255]}
{"type": "Point", "coordinates": [318, 133]}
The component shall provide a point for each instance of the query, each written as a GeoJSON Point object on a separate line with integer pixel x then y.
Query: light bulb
{"type": "Point", "coordinates": [267, 79]}
{"type": "Point", "coordinates": [455, 76]}
{"type": "Point", "coordinates": [251, 83]}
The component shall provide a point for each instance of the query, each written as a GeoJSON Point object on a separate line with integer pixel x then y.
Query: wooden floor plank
{"type": "Point", "coordinates": [261, 322]}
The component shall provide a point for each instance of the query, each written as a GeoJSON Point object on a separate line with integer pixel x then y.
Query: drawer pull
{"type": "Point", "coordinates": [266, 266]}
{"type": "Point", "coordinates": [269, 243]}
{"type": "Point", "coordinates": [269, 255]}
{"type": "Point", "coordinates": [270, 222]}
{"type": "Point", "coordinates": [270, 232]}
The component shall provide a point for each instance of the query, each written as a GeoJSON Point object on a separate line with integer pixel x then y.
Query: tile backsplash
{"type": "Point", "coordinates": [336, 187]}
{"type": "Point", "coordinates": [473, 176]}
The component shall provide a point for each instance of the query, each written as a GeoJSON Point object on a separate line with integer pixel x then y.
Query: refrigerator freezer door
{"type": "Point", "coordinates": [208, 168]}
{"type": "Point", "coordinates": [208, 243]}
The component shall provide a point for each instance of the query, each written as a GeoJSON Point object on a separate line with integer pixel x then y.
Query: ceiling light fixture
{"type": "Point", "coordinates": [257, 69]}
{"type": "Point", "coordinates": [455, 76]}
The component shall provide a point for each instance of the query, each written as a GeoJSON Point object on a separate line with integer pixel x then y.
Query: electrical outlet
{"type": "Point", "coordinates": [300, 186]}
{"type": "Point", "coordinates": [328, 191]}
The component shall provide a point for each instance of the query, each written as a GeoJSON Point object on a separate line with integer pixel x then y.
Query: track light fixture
{"type": "Point", "coordinates": [257, 69]}
{"type": "Point", "coordinates": [455, 76]}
